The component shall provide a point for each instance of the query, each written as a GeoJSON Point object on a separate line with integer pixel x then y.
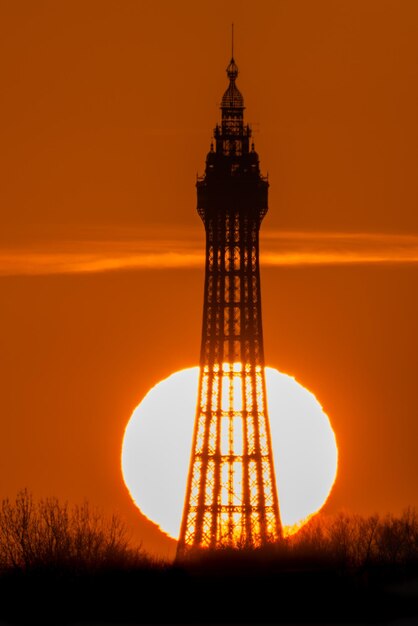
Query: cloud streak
{"type": "Point", "coordinates": [327, 248]}
{"type": "Point", "coordinates": [149, 251]}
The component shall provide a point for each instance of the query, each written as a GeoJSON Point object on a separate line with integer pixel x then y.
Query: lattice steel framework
{"type": "Point", "coordinates": [231, 496]}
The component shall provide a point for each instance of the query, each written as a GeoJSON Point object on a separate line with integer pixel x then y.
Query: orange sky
{"type": "Point", "coordinates": [106, 115]}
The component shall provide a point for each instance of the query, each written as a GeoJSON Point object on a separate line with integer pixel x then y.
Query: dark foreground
{"type": "Point", "coordinates": [237, 591]}
{"type": "Point", "coordinates": [72, 566]}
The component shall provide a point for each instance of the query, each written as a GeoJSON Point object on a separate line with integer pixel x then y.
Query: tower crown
{"type": "Point", "coordinates": [232, 175]}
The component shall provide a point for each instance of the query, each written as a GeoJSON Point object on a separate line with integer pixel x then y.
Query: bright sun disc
{"type": "Point", "coordinates": [158, 438]}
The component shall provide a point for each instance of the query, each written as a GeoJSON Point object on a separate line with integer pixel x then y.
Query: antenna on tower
{"type": "Point", "coordinates": [232, 40]}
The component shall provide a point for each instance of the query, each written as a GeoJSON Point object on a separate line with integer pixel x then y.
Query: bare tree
{"type": "Point", "coordinates": [356, 542]}
{"type": "Point", "coordinates": [48, 533]}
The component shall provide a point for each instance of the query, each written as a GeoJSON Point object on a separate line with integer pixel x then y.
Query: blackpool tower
{"type": "Point", "coordinates": [231, 496]}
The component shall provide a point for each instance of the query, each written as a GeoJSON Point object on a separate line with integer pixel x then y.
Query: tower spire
{"type": "Point", "coordinates": [232, 69]}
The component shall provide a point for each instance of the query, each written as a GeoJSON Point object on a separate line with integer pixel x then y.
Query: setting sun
{"type": "Point", "coordinates": [158, 438]}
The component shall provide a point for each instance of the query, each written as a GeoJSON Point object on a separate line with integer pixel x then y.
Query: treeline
{"type": "Point", "coordinates": [348, 545]}
{"type": "Point", "coordinates": [42, 534]}
{"type": "Point", "coordinates": [48, 533]}
{"type": "Point", "coordinates": [353, 542]}
{"type": "Point", "coordinates": [61, 563]}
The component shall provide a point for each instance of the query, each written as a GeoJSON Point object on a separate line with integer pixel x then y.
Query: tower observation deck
{"type": "Point", "coordinates": [231, 496]}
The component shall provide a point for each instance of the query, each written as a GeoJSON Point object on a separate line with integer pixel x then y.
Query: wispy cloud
{"type": "Point", "coordinates": [328, 248]}
{"type": "Point", "coordinates": [151, 251]}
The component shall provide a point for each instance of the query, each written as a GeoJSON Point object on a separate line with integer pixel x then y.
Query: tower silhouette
{"type": "Point", "coordinates": [231, 497]}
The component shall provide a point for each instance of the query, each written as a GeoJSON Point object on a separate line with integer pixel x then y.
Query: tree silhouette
{"type": "Point", "coordinates": [74, 562]}
{"type": "Point", "coordinates": [48, 533]}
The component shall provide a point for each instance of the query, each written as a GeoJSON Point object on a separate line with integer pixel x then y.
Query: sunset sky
{"type": "Point", "coordinates": [106, 114]}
